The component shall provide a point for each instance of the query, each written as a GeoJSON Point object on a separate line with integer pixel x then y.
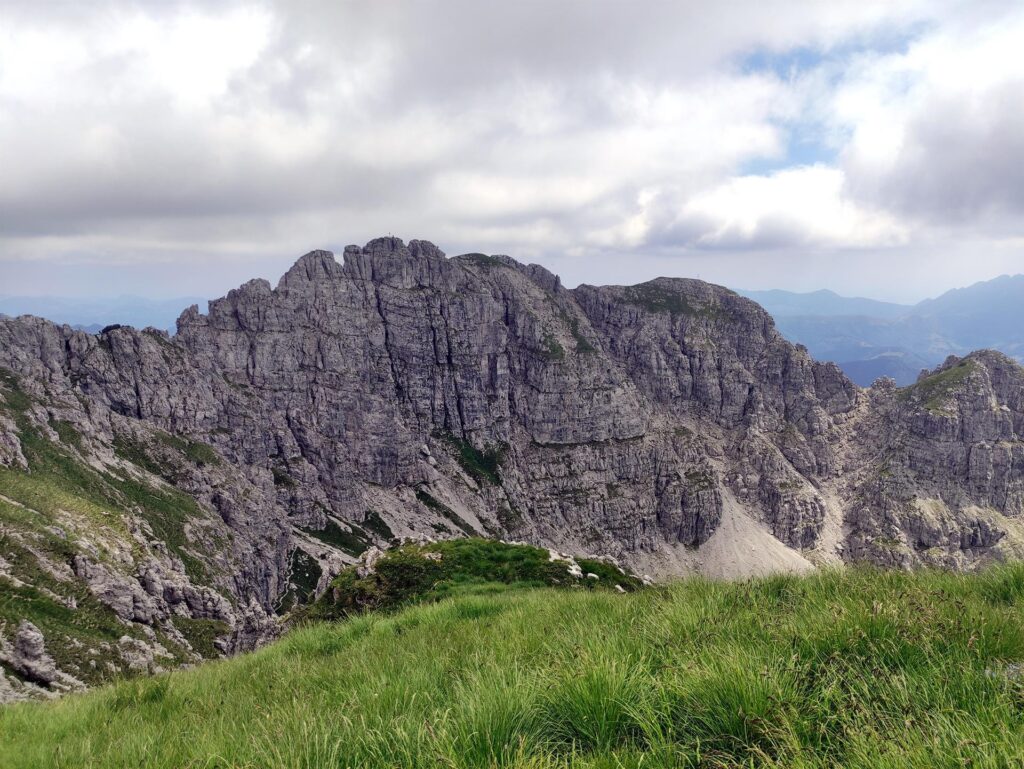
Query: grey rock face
{"type": "Point", "coordinates": [27, 657]}
{"type": "Point", "coordinates": [30, 653]}
{"type": "Point", "coordinates": [397, 392]}
{"type": "Point", "coordinates": [944, 480]}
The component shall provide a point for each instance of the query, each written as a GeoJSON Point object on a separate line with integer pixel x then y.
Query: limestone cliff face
{"type": "Point", "coordinates": [940, 476]}
{"type": "Point", "coordinates": [396, 392]}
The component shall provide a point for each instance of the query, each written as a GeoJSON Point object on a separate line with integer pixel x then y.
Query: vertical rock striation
{"type": "Point", "coordinates": [397, 392]}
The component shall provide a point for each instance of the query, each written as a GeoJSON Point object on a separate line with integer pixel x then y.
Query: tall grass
{"type": "Point", "coordinates": [837, 669]}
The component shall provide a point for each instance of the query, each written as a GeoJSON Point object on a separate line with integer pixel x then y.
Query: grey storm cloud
{"type": "Point", "coordinates": [137, 137]}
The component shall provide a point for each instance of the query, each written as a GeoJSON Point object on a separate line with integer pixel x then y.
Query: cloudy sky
{"type": "Point", "coordinates": [166, 148]}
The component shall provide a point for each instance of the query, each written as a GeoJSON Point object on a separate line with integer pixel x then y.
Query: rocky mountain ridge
{"type": "Point", "coordinates": [187, 489]}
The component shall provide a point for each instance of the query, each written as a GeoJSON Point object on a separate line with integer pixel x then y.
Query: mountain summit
{"type": "Point", "coordinates": [196, 485]}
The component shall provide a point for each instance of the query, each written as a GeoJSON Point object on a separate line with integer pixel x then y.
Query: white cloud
{"type": "Point", "coordinates": [804, 206]}
{"type": "Point", "coordinates": [936, 133]}
{"type": "Point", "coordinates": [135, 132]}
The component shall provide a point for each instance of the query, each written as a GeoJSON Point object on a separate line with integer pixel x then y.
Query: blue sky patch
{"type": "Point", "coordinates": [805, 143]}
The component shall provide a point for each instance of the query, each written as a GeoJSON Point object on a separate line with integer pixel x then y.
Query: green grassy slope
{"type": "Point", "coordinates": [62, 506]}
{"type": "Point", "coordinates": [854, 669]}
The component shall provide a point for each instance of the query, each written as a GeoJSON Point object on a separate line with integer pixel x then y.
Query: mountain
{"type": "Point", "coordinates": [990, 313]}
{"type": "Point", "coordinates": [169, 498]}
{"type": "Point", "coordinates": [871, 339]}
{"type": "Point", "coordinates": [828, 303]}
{"type": "Point", "coordinates": [899, 365]}
{"type": "Point", "coordinates": [93, 314]}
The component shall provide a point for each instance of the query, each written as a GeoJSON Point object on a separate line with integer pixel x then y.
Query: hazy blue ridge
{"type": "Point", "coordinates": [824, 302]}
{"type": "Point", "coordinates": [869, 339]}
{"type": "Point", "coordinates": [93, 313]}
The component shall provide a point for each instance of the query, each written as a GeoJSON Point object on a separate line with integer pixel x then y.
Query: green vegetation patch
{"type": "Point", "coordinates": [353, 541]}
{"type": "Point", "coordinates": [197, 452]}
{"type": "Point", "coordinates": [657, 298]}
{"type": "Point", "coordinates": [481, 465]}
{"type": "Point", "coordinates": [202, 634]}
{"type": "Point", "coordinates": [46, 601]}
{"type": "Point", "coordinates": [934, 391]}
{"type": "Point", "coordinates": [857, 669]}
{"type": "Point", "coordinates": [699, 480]}
{"type": "Point", "coordinates": [59, 481]}
{"type": "Point", "coordinates": [374, 523]}
{"type": "Point", "coordinates": [510, 517]}
{"type": "Point", "coordinates": [15, 399]}
{"type": "Point", "coordinates": [303, 576]}
{"type": "Point", "coordinates": [167, 511]}
{"type": "Point", "coordinates": [583, 345]}
{"type": "Point", "coordinates": [131, 450]}
{"type": "Point", "coordinates": [439, 507]}
{"type": "Point", "coordinates": [58, 500]}
{"type": "Point", "coordinates": [67, 433]}
{"type": "Point", "coordinates": [148, 454]}
{"type": "Point", "coordinates": [282, 479]}
{"type": "Point", "coordinates": [430, 572]}
{"type": "Point", "coordinates": [482, 260]}
{"type": "Point", "coordinates": [552, 349]}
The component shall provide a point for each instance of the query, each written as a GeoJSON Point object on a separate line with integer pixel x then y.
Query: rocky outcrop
{"type": "Point", "coordinates": [35, 672]}
{"type": "Point", "coordinates": [941, 466]}
{"type": "Point", "coordinates": [396, 392]}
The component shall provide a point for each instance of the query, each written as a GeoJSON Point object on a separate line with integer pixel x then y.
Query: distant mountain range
{"type": "Point", "coordinates": [93, 314]}
{"type": "Point", "coordinates": [824, 302]}
{"type": "Point", "coordinates": [869, 339]}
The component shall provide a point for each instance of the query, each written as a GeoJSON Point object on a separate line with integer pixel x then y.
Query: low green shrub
{"type": "Point", "coordinates": [439, 569]}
